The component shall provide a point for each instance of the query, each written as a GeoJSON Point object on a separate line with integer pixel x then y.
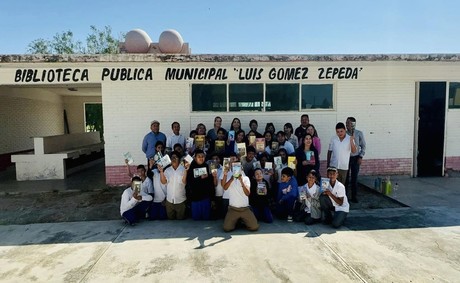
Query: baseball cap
{"type": "Point", "coordinates": [153, 122]}
{"type": "Point", "coordinates": [332, 169]}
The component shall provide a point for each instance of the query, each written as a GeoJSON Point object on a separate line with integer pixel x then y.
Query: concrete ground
{"type": "Point", "coordinates": [420, 243]}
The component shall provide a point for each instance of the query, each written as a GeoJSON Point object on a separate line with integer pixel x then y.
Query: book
{"type": "Point", "coordinates": [236, 169]}
{"type": "Point", "coordinates": [188, 158]}
{"type": "Point", "coordinates": [268, 167]}
{"type": "Point", "coordinates": [325, 184]}
{"type": "Point", "coordinates": [310, 157]}
{"type": "Point", "coordinates": [189, 143]}
{"type": "Point", "coordinates": [252, 140]}
{"type": "Point", "coordinates": [128, 157]}
{"type": "Point", "coordinates": [226, 163]}
{"type": "Point", "coordinates": [303, 193]}
{"type": "Point", "coordinates": [168, 150]}
{"type": "Point", "coordinates": [261, 189]}
{"type": "Point", "coordinates": [278, 162]}
{"type": "Point", "coordinates": [291, 162]}
{"type": "Point", "coordinates": [137, 187]}
{"type": "Point", "coordinates": [200, 141]}
{"type": "Point", "coordinates": [241, 146]}
{"type": "Point", "coordinates": [231, 135]}
{"type": "Point", "coordinates": [256, 165]}
{"type": "Point", "coordinates": [198, 172]}
{"type": "Point", "coordinates": [213, 166]}
{"type": "Point", "coordinates": [274, 147]}
{"type": "Point", "coordinates": [260, 144]}
{"type": "Point", "coordinates": [219, 146]}
{"type": "Point", "coordinates": [164, 161]}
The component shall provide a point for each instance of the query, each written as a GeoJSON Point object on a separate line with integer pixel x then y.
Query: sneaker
{"type": "Point", "coordinates": [289, 218]}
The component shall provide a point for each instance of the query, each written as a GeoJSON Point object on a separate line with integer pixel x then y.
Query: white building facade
{"type": "Point", "coordinates": [408, 106]}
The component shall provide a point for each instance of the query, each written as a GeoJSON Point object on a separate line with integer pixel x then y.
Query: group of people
{"type": "Point", "coordinates": [208, 176]}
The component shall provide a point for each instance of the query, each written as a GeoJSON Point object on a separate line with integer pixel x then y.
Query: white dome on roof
{"type": "Point", "coordinates": [137, 41]}
{"type": "Point", "coordinates": [170, 41]}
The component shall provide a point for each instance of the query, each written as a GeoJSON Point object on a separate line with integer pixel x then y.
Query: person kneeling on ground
{"type": "Point", "coordinates": [334, 199]}
{"type": "Point", "coordinates": [238, 188]}
{"type": "Point", "coordinates": [134, 203]}
{"type": "Point", "coordinates": [309, 208]}
{"type": "Point", "coordinates": [287, 194]}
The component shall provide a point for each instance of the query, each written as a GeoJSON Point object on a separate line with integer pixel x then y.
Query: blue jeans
{"type": "Point", "coordinates": [286, 208]}
{"type": "Point", "coordinates": [138, 212]}
{"type": "Point", "coordinates": [157, 211]}
{"type": "Point", "coordinates": [327, 208]}
{"type": "Point", "coordinates": [263, 214]}
{"type": "Point", "coordinates": [201, 210]}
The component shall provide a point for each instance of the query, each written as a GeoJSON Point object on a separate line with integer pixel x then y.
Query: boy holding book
{"type": "Point", "coordinates": [248, 161]}
{"type": "Point", "coordinates": [134, 203]}
{"type": "Point", "coordinates": [287, 194]}
{"type": "Point", "coordinates": [334, 199]}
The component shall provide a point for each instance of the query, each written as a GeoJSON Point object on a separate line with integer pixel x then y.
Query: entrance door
{"type": "Point", "coordinates": [432, 113]}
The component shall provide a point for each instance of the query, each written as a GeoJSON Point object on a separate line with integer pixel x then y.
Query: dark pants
{"type": "Point", "coordinates": [327, 208]}
{"type": "Point", "coordinates": [225, 204]}
{"type": "Point", "coordinates": [285, 208]}
{"type": "Point", "coordinates": [263, 213]}
{"type": "Point", "coordinates": [352, 175]}
{"type": "Point", "coordinates": [138, 212]}
{"type": "Point", "coordinates": [157, 211]}
{"type": "Point", "coordinates": [201, 210]}
{"type": "Point", "coordinates": [217, 211]}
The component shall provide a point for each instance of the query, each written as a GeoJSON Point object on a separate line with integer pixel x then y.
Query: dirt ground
{"type": "Point", "coordinates": [105, 205]}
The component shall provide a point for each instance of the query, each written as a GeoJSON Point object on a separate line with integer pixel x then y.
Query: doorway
{"type": "Point", "coordinates": [431, 126]}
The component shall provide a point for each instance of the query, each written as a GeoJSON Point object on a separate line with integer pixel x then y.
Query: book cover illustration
{"type": "Point", "coordinates": [189, 143]}
{"type": "Point", "coordinates": [213, 166]}
{"type": "Point", "coordinates": [278, 162]}
{"type": "Point", "coordinates": [310, 157]}
{"type": "Point", "coordinates": [137, 187]}
{"type": "Point", "coordinates": [256, 165]}
{"type": "Point", "coordinates": [188, 159]}
{"type": "Point", "coordinates": [325, 184]}
{"type": "Point", "coordinates": [303, 192]}
{"type": "Point", "coordinates": [236, 169]}
{"type": "Point", "coordinates": [198, 172]}
{"type": "Point", "coordinates": [128, 157]}
{"type": "Point", "coordinates": [275, 146]}
{"type": "Point", "coordinates": [252, 140]}
{"type": "Point", "coordinates": [200, 141]}
{"type": "Point", "coordinates": [226, 163]}
{"type": "Point", "coordinates": [291, 162]}
{"type": "Point", "coordinates": [260, 144]}
{"type": "Point", "coordinates": [241, 149]}
{"type": "Point", "coordinates": [219, 146]}
{"type": "Point", "coordinates": [231, 135]}
{"type": "Point", "coordinates": [261, 189]}
{"type": "Point", "coordinates": [164, 161]}
{"type": "Point", "coordinates": [268, 167]}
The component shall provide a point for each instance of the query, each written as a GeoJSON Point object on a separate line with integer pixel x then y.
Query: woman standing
{"type": "Point", "coordinates": [316, 141]}
{"type": "Point", "coordinates": [307, 159]}
{"type": "Point", "coordinates": [290, 137]}
{"type": "Point", "coordinates": [212, 133]}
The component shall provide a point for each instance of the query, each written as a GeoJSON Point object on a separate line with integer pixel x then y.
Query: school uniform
{"type": "Point", "coordinates": [131, 209]}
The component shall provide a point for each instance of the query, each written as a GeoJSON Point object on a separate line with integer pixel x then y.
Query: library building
{"type": "Point", "coordinates": [62, 112]}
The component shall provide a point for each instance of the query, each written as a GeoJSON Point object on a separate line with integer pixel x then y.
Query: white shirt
{"type": "Point", "coordinates": [339, 191]}
{"type": "Point", "coordinates": [147, 186]}
{"type": "Point", "coordinates": [219, 188]}
{"type": "Point", "coordinates": [288, 147]}
{"type": "Point", "coordinates": [175, 188]}
{"type": "Point", "coordinates": [173, 139]}
{"type": "Point", "coordinates": [340, 152]}
{"type": "Point", "coordinates": [237, 197]}
{"type": "Point", "coordinates": [128, 202]}
{"type": "Point", "coordinates": [225, 195]}
{"type": "Point", "coordinates": [159, 189]}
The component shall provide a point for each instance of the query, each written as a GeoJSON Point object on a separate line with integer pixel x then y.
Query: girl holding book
{"type": "Point", "coordinates": [307, 159]}
{"type": "Point", "coordinates": [259, 197]}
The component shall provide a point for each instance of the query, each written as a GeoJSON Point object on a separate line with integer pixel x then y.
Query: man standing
{"type": "Point", "coordinates": [355, 158]}
{"type": "Point", "coordinates": [301, 131]}
{"type": "Point", "coordinates": [340, 148]}
{"type": "Point", "coordinates": [150, 139]}
{"type": "Point", "coordinates": [176, 137]}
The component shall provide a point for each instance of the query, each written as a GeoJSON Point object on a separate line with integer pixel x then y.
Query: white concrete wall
{"type": "Point", "coordinates": [453, 132]}
{"type": "Point", "coordinates": [27, 113]}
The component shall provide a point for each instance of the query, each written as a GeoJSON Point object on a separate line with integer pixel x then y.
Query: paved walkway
{"type": "Point", "coordinates": [420, 243]}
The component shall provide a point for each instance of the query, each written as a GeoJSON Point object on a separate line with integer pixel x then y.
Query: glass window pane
{"type": "Point", "coordinates": [246, 97]}
{"type": "Point", "coordinates": [209, 97]}
{"type": "Point", "coordinates": [454, 95]}
{"type": "Point", "coordinates": [317, 96]}
{"type": "Point", "coordinates": [282, 97]}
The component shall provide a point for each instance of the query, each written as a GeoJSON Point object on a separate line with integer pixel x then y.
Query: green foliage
{"type": "Point", "coordinates": [97, 42]}
{"type": "Point", "coordinates": [93, 115]}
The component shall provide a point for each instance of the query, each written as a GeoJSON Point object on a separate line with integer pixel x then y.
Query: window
{"type": "Point", "coordinates": [246, 97]}
{"type": "Point", "coordinates": [93, 118]}
{"type": "Point", "coordinates": [282, 97]}
{"type": "Point", "coordinates": [209, 97]}
{"type": "Point", "coordinates": [454, 95]}
{"type": "Point", "coordinates": [317, 96]}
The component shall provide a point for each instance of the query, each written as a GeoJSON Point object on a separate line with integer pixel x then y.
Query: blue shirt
{"type": "Point", "coordinates": [148, 144]}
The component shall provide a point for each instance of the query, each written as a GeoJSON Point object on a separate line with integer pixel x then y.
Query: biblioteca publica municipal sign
{"type": "Point", "coordinates": [57, 75]}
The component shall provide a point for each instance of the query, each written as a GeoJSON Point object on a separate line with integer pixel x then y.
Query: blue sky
{"type": "Point", "coordinates": [247, 27]}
